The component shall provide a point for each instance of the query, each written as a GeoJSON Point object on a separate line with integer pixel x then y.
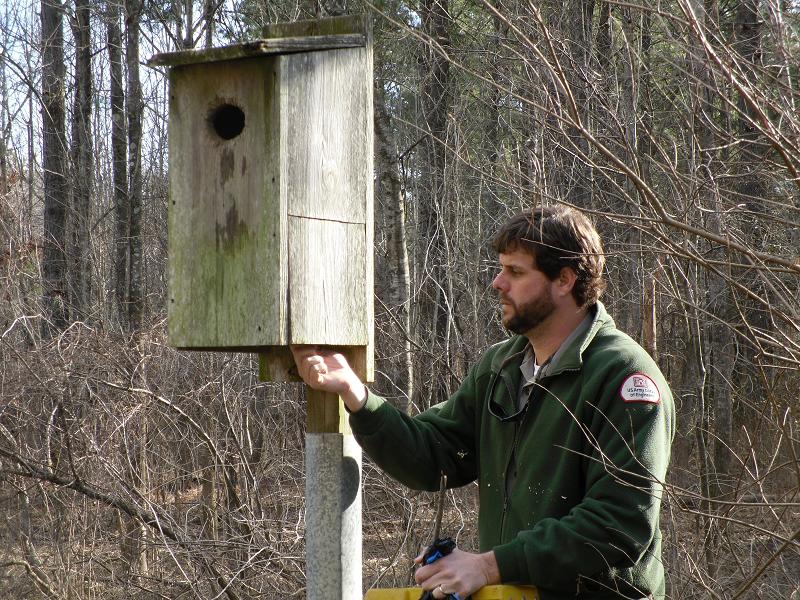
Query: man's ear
{"type": "Point", "coordinates": [565, 281]}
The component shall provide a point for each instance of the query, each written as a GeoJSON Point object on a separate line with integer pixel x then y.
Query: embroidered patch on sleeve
{"type": "Point", "coordinates": [640, 388]}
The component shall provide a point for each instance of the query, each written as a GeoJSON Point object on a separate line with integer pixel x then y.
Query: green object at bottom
{"type": "Point", "coordinates": [490, 592]}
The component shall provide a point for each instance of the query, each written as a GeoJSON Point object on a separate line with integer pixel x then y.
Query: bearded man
{"type": "Point", "coordinates": [566, 426]}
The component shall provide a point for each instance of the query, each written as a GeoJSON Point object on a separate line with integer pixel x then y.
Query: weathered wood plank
{"type": "Point", "coordinates": [326, 161]}
{"type": "Point", "coordinates": [325, 413]}
{"type": "Point", "coordinates": [276, 363]}
{"type": "Point", "coordinates": [327, 284]}
{"type": "Point", "coordinates": [255, 48]}
{"type": "Point", "coordinates": [227, 284]}
{"type": "Point", "coordinates": [369, 218]}
{"type": "Point", "coordinates": [342, 25]}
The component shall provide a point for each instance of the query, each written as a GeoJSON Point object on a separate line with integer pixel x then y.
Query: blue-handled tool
{"type": "Point", "coordinates": [440, 546]}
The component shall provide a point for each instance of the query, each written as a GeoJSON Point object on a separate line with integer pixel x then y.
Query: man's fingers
{"type": "Point", "coordinates": [309, 362]}
{"type": "Point", "coordinates": [443, 590]}
{"type": "Point", "coordinates": [302, 353]}
{"type": "Point", "coordinates": [326, 369]}
{"type": "Point", "coordinates": [429, 576]}
{"type": "Point", "coordinates": [317, 363]}
{"type": "Point", "coordinates": [319, 368]}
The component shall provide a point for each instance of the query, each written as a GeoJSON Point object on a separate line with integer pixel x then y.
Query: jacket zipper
{"type": "Point", "coordinates": [517, 428]}
{"type": "Point", "coordinates": [511, 458]}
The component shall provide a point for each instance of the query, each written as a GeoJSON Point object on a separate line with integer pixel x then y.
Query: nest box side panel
{"type": "Point", "coordinates": [227, 266]}
{"type": "Point", "coordinates": [326, 153]}
{"type": "Point", "coordinates": [327, 282]}
{"type": "Point", "coordinates": [326, 171]}
{"type": "Point", "coordinates": [368, 354]}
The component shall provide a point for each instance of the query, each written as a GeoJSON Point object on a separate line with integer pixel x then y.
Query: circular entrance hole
{"type": "Point", "coordinates": [227, 121]}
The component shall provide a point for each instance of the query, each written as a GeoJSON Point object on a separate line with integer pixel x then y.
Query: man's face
{"type": "Point", "coordinates": [525, 292]}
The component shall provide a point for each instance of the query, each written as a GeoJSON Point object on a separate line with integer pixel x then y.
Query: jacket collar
{"type": "Point", "coordinates": [571, 359]}
{"type": "Point", "coordinates": [505, 365]}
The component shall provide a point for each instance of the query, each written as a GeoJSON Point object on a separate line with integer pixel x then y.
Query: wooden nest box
{"type": "Point", "coordinates": [270, 209]}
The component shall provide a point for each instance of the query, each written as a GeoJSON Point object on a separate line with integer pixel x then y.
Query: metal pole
{"type": "Point", "coordinates": [333, 511]}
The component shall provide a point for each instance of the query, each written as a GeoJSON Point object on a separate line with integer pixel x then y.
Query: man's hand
{"type": "Point", "coordinates": [328, 371]}
{"type": "Point", "coordinates": [459, 572]}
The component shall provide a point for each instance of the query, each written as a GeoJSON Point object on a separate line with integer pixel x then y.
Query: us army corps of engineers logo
{"type": "Point", "coordinates": [640, 388]}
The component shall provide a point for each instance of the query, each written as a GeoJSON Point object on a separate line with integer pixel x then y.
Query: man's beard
{"type": "Point", "coordinates": [530, 315]}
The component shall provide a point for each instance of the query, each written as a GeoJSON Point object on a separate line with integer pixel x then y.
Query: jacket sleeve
{"type": "Point", "coordinates": [614, 527]}
{"type": "Point", "coordinates": [416, 450]}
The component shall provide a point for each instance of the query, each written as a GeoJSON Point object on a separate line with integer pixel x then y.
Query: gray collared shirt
{"type": "Point", "coordinates": [532, 372]}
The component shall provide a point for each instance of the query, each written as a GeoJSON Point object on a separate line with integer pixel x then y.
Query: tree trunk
{"type": "Point", "coordinates": [119, 166]}
{"type": "Point", "coordinates": [177, 13]}
{"type": "Point", "coordinates": [27, 212]}
{"type": "Point", "coordinates": [604, 187]}
{"type": "Point", "coordinates": [714, 432]}
{"type": "Point", "coordinates": [82, 171]}
{"type": "Point", "coordinates": [188, 38]}
{"type": "Point", "coordinates": [395, 372]}
{"type": "Point", "coordinates": [134, 114]}
{"type": "Point", "coordinates": [135, 539]}
{"type": "Point", "coordinates": [209, 7]}
{"type": "Point", "coordinates": [133, 532]}
{"type": "Point", "coordinates": [652, 268]}
{"type": "Point", "coordinates": [753, 187]}
{"type": "Point", "coordinates": [5, 130]}
{"type": "Point", "coordinates": [493, 204]}
{"type": "Point", "coordinates": [577, 171]}
{"type": "Point", "coordinates": [435, 305]}
{"type": "Point", "coordinates": [630, 89]}
{"type": "Point", "coordinates": [54, 259]}
{"type": "Point", "coordinates": [721, 343]}
{"type": "Point", "coordinates": [783, 33]}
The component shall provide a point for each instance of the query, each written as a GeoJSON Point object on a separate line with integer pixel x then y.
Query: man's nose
{"type": "Point", "coordinates": [497, 282]}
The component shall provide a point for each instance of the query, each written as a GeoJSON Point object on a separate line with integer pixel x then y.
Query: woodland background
{"type": "Point", "coordinates": [130, 470]}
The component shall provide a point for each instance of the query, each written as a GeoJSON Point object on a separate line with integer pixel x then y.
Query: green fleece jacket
{"type": "Point", "coordinates": [571, 485]}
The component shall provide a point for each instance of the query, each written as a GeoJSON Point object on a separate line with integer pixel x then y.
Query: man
{"type": "Point", "coordinates": [567, 427]}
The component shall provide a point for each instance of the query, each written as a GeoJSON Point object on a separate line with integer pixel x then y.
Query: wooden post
{"type": "Point", "coordinates": [333, 501]}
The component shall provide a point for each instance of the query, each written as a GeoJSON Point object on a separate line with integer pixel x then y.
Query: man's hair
{"type": "Point", "coordinates": [558, 237]}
